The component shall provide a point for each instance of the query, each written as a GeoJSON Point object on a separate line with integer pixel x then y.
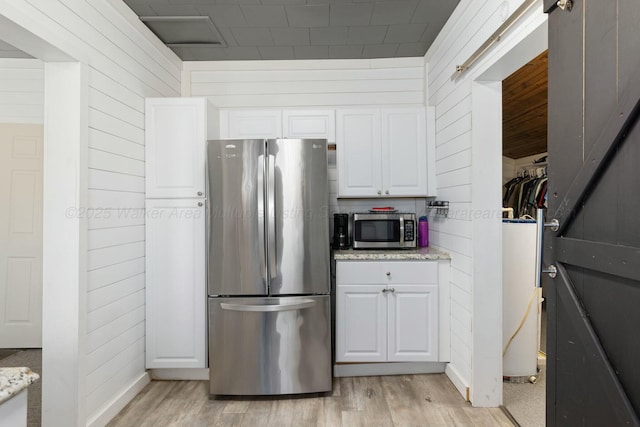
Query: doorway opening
{"type": "Point", "coordinates": [63, 236]}
{"type": "Point", "coordinates": [524, 183]}
{"type": "Point", "coordinates": [21, 222]}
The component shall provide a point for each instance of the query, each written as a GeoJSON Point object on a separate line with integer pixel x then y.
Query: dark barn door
{"type": "Point", "coordinates": [593, 306]}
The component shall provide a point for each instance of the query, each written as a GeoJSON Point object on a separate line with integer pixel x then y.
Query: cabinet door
{"type": "Point", "coordinates": [251, 124]}
{"type": "Point", "coordinates": [175, 284]}
{"type": "Point", "coordinates": [413, 323]}
{"type": "Point", "coordinates": [404, 152]}
{"type": "Point", "coordinates": [361, 323]}
{"type": "Point", "coordinates": [175, 138]}
{"type": "Point", "coordinates": [309, 124]}
{"type": "Point", "coordinates": [358, 149]}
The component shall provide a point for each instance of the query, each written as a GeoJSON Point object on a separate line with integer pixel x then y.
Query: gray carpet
{"type": "Point", "coordinates": [526, 401]}
{"type": "Point", "coordinates": [33, 360]}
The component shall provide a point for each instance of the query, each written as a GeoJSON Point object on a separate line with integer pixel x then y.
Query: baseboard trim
{"type": "Point", "coordinates": [397, 368]}
{"type": "Point", "coordinates": [112, 408]}
{"type": "Point", "coordinates": [459, 383]}
{"type": "Point", "coordinates": [180, 374]}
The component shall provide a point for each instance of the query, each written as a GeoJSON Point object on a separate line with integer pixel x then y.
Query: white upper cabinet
{"type": "Point", "coordinates": [176, 134]}
{"type": "Point", "coordinates": [250, 124]}
{"type": "Point", "coordinates": [359, 144]}
{"type": "Point", "coordinates": [276, 123]}
{"type": "Point", "coordinates": [404, 152]}
{"type": "Point", "coordinates": [382, 152]}
{"type": "Point", "coordinates": [318, 124]}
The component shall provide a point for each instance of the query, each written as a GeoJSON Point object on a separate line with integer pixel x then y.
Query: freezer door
{"type": "Point", "coordinates": [298, 220]}
{"type": "Point", "coordinates": [260, 346]}
{"type": "Point", "coordinates": [235, 190]}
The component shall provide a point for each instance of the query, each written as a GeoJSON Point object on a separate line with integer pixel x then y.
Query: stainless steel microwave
{"type": "Point", "coordinates": [384, 230]}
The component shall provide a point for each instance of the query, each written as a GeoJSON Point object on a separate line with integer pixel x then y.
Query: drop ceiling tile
{"type": "Point", "coordinates": [434, 10]}
{"type": "Point", "coordinates": [183, 1]}
{"type": "Point", "coordinates": [284, 2]}
{"type": "Point", "coordinates": [236, 2]}
{"type": "Point", "coordinates": [227, 36]}
{"type": "Point", "coordinates": [411, 49]}
{"type": "Point", "coordinates": [242, 53]}
{"type": "Point", "coordinates": [252, 36]}
{"type": "Point", "coordinates": [141, 7]}
{"type": "Point", "coordinates": [311, 52]}
{"type": "Point", "coordinates": [276, 52]}
{"type": "Point", "coordinates": [224, 15]}
{"type": "Point", "coordinates": [330, 2]}
{"type": "Point", "coordinates": [265, 16]}
{"type": "Point", "coordinates": [430, 34]}
{"type": "Point", "coordinates": [393, 12]}
{"type": "Point", "coordinates": [174, 10]}
{"type": "Point", "coordinates": [405, 33]}
{"type": "Point", "coordinates": [200, 53]}
{"type": "Point", "coordinates": [328, 35]}
{"type": "Point", "coordinates": [308, 15]}
{"type": "Point", "coordinates": [345, 52]}
{"type": "Point", "coordinates": [183, 29]}
{"type": "Point", "coordinates": [290, 36]}
{"type": "Point", "coordinates": [367, 35]}
{"type": "Point", "coordinates": [350, 14]}
{"type": "Point", "coordinates": [379, 50]}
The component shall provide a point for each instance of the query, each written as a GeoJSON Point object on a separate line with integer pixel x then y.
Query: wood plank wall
{"type": "Point", "coordinates": [470, 25]}
{"type": "Point", "coordinates": [21, 91]}
{"type": "Point", "coordinates": [307, 84]}
{"type": "Point", "coordinates": [126, 63]}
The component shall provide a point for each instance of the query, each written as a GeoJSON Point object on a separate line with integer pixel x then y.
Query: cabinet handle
{"type": "Point", "coordinates": [386, 192]}
{"type": "Point", "coordinates": [388, 274]}
{"type": "Point", "coordinates": [199, 203]}
{"type": "Point", "coordinates": [379, 192]}
{"type": "Point", "coordinates": [385, 290]}
{"type": "Point", "coordinates": [392, 290]}
{"type": "Point", "coordinates": [199, 193]}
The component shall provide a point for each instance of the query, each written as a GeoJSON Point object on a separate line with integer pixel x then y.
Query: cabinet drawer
{"type": "Point", "coordinates": [405, 272]}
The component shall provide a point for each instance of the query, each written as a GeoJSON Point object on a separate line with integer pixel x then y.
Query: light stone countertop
{"type": "Point", "coordinates": [429, 253]}
{"type": "Point", "coordinates": [14, 380]}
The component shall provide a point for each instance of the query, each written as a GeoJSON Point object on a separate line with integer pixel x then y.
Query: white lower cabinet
{"type": "Point", "coordinates": [387, 311]}
{"type": "Point", "coordinates": [176, 284]}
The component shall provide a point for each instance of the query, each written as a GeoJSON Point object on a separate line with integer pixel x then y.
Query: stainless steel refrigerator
{"type": "Point", "coordinates": [268, 267]}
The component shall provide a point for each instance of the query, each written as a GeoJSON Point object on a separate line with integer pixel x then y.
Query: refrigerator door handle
{"type": "Point", "coordinates": [263, 261]}
{"type": "Point", "coordinates": [298, 305]}
{"type": "Point", "coordinates": [271, 216]}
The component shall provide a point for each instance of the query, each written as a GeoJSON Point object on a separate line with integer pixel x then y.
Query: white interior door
{"type": "Point", "coordinates": [21, 155]}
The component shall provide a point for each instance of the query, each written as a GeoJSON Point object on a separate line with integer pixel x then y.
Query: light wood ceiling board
{"type": "Point", "coordinates": [524, 110]}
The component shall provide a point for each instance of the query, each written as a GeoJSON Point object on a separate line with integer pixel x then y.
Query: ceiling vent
{"type": "Point", "coordinates": [185, 31]}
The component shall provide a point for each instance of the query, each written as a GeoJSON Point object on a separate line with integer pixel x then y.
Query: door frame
{"type": "Point", "coordinates": [64, 252]}
{"type": "Point", "coordinates": [486, 114]}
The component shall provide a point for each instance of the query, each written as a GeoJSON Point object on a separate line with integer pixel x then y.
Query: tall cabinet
{"type": "Point", "coordinates": [176, 134]}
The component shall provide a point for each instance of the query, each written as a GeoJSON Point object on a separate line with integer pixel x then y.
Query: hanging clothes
{"type": "Point", "coordinates": [526, 193]}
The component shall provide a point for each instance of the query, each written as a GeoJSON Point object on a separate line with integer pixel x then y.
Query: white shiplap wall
{"type": "Point", "coordinates": [471, 24]}
{"type": "Point", "coordinates": [508, 169]}
{"type": "Point", "coordinates": [317, 83]}
{"type": "Point", "coordinates": [125, 63]}
{"type": "Point", "coordinates": [21, 90]}
{"type": "Point", "coordinates": [310, 84]}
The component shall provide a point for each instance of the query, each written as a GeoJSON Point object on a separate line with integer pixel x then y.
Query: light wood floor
{"type": "Point", "coordinates": [402, 400]}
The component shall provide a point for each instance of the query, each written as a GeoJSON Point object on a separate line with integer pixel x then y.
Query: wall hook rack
{"type": "Point", "coordinates": [439, 206]}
